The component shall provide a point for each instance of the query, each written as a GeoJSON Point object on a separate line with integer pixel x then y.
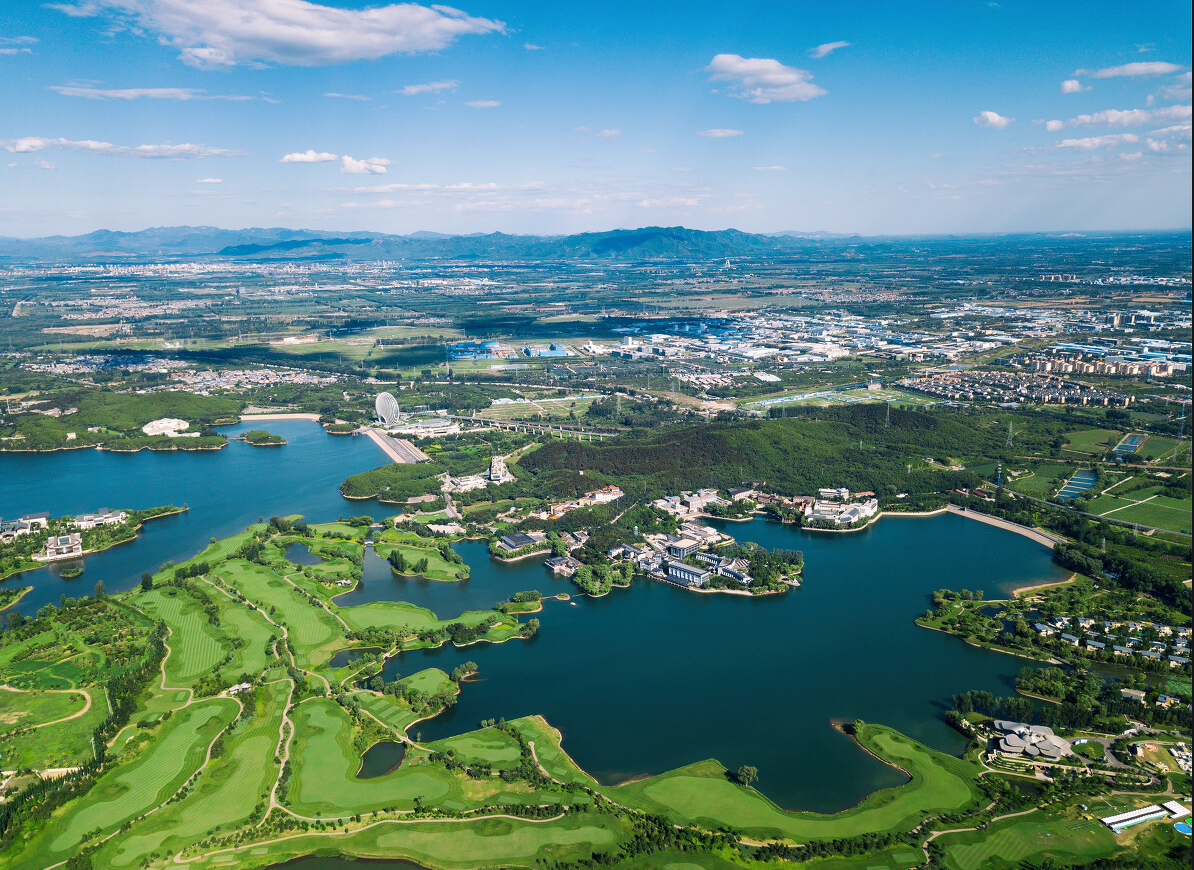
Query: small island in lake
{"type": "Point", "coordinates": [262, 438]}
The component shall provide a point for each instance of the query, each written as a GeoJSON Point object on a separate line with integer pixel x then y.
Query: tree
{"type": "Point", "coordinates": [146, 581]}
{"type": "Point", "coordinates": [747, 774]}
{"type": "Point", "coordinates": [99, 588]}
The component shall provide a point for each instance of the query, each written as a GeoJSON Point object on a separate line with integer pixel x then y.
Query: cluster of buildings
{"type": "Point", "coordinates": [208, 381]}
{"type": "Point", "coordinates": [498, 473]}
{"type": "Point", "coordinates": [68, 545]}
{"type": "Point", "coordinates": [840, 507]}
{"type": "Point", "coordinates": [1032, 742]}
{"type": "Point", "coordinates": [604, 495]}
{"type": "Point", "coordinates": [1096, 636]}
{"type": "Point", "coordinates": [1074, 364]}
{"type": "Point", "coordinates": [671, 558]}
{"type": "Point", "coordinates": [12, 529]}
{"type": "Point", "coordinates": [1013, 387]}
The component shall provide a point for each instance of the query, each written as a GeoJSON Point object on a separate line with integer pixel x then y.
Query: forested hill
{"type": "Point", "coordinates": [645, 243]}
{"type": "Point", "coordinates": [795, 455]}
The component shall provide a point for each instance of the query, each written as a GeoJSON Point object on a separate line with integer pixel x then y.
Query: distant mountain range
{"type": "Point", "coordinates": [285, 244]}
{"type": "Point", "coordinates": [644, 244]}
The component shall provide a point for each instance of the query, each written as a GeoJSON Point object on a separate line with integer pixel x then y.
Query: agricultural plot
{"type": "Point", "coordinates": [702, 793]}
{"type": "Point", "coordinates": [1165, 450]}
{"type": "Point", "coordinates": [1147, 507]}
{"type": "Point", "coordinates": [1045, 478]}
{"type": "Point", "coordinates": [1094, 441]}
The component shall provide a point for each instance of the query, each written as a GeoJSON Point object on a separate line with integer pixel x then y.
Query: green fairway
{"type": "Point", "coordinates": [483, 843]}
{"type": "Point", "coordinates": [489, 745]}
{"type": "Point", "coordinates": [326, 763]}
{"type": "Point", "coordinates": [1006, 845]}
{"type": "Point", "coordinates": [415, 549]}
{"type": "Point", "coordinates": [703, 794]}
{"type": "Point", "coordinates": [311, 628]}
{"type": "Point", "coordinates": [196, 646]}
{"type": "Point", "coordinates": [160, 769]}
{"type": "Point", "coordinates": [225, 794]}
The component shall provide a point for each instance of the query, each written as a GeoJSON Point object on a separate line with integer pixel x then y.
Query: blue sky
{"type": "Point", "coordinates": [556, 117]}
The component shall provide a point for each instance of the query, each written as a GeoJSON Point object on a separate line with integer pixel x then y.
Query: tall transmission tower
{"type": "Point", "coordinates": [887, 422]}
{"type": "Point", "coordinates": [1009, 435]}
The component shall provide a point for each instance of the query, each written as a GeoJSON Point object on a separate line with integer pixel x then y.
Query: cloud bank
{"type": "Point", "coordinates": [221, 33]}
{"type": "Point", "coordinates": [183, 151]}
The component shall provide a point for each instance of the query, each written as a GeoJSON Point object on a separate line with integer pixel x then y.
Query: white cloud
{"type": "Point", "coordinates": [825, 48]}
{"type": "Point", "coordinates": [297, 32]}
{"type": "Point", "coordinates": [1178, 89]}
{"type": "Point", "coordinates": [209, 181]}
{"type": "Point", "coordinates": [770, 168]}
{"type": "Point", "coordinates": [360, 97]}
{"type": "Point", "coordinates": [987, 118]}
{"type": "Point", "coordinates": [1126, 117]}
{"type": "Point", "coordinates": [1140, 68]}
{"type": "Point", "coordinates": [1092, 142]}
{"type": "Point", "coordinates": [428, 88]}
{"type": "Point", "coordinates": [609, 133]}
{"type": "Point", "coordinates": [10, 45]}
{"type": "Point", "coordinates": [482, 104]}
{"type": "Point", "coordinates": [530, 46]}
{"type": "Point", "coordinates": [719, 133]}
{"type": "Point", "coordinates": [1054, 125]}
{"type": "Point", "coordinates": [183, 151]}
{"type": "Point", "coordinates": [1073, 86]}
{"type": "Point", "coordinates": [309, 156]}
{"type": "Point", "coordinates": [368, 166]}
{"type": "Point", "coordinates": [762, 80]}
{"type": "Point", "coordinates": [184, 94]}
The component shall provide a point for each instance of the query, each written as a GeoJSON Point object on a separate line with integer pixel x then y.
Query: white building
{"type": "Point", "coordinates": [102, 517]}
{"type": "Point", "coordinates": [498, 473]}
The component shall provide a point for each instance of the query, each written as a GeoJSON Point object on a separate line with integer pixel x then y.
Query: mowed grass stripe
{"type": "Point", "coordinates": [195, 646]}
{"type": "Point", "coordinates": [225, 794]}
{"type": "Point", "coordinates": [143, 784]}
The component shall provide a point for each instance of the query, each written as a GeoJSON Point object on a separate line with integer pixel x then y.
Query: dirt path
{"type": "Point", "coordinates": [322, 603]}
{"type": "Point", "coordinates": [76, 715]}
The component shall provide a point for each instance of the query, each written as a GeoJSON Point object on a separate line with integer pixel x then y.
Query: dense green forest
{"type": "Point", "coordinates": [844, 447]}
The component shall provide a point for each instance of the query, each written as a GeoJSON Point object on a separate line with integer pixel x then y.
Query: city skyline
{"type": "Point", "coordinates": [868, 118]}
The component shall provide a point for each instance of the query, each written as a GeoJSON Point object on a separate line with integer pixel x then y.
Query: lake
{"type": "Point", "coordinates": [642, 680]}
{"type": "Point", "coordinates": [225, 490]}
{"type": "Point", "coordinates": [652, 677]}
